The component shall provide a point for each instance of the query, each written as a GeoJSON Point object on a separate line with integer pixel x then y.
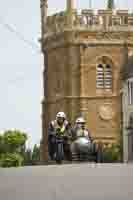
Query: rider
{"type": "Point", "coordinates": [79, 131]}
{"type": "Point", "coordinates": [64, 127]}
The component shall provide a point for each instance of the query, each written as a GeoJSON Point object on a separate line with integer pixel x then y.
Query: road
{"type": "Point", "coordinates": [68, 182]}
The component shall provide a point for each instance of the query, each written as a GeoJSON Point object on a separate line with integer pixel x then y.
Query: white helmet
{"type": "Point", "coordinates": [80, 120]}
{"type": "Point", "coordinates": [61, 115]}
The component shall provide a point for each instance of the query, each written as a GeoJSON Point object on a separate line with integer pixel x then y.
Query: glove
{"type": "Point", "coordinates": [59, 132]}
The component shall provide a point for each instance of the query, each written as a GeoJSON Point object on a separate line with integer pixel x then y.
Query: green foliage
{"type": "Point", "coordinates": [110, 4]}
{"type": "Point", "coordinates": [14, 140]}
{"type": "Point", "coordinates": [1, 145]}
{"type": "Point", "coordinates": [28, 157]}
{"type": "Point", "coordinates": [11, 160]}
{"type": "Point", "coordinates": [36, 154]}
{"type": "Point", "coordinates": [13, 152]}
{"type": "Point", "coordinates": [12, 148]}
{"type": "Point", "coordinates": [112, 153]}
{"type": "Point", "coordinates": [65, 13]}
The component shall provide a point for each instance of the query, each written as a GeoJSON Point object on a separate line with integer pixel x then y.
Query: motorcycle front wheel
{"type": "Point", "coordinates": [59, 153]}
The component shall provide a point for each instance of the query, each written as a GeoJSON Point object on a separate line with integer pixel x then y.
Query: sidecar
{"type": "Point", "coordinates": [86, 150]}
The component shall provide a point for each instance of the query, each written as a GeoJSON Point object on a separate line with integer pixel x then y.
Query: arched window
{"type": "Point", "coordinates": [104, 74]}
{"type": "Point", "coordinates": [100, 76]}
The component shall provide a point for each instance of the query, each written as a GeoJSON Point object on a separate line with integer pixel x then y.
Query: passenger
{"type": "Point", "coordinates": [80, 129]}
{"type": "Point", "coordinates": [82, 140]}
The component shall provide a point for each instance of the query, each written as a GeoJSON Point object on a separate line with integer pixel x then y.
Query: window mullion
{"type": "Point", "coordinates": [104, 76]}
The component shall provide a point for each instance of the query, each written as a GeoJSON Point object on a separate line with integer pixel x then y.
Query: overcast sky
{"type": "Point", "coordinates": [21, 63]}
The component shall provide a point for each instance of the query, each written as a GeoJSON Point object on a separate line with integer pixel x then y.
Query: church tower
{"type": "Point", "coordinates": [82, 61]}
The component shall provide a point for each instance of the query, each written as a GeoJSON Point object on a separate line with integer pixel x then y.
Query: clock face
{"type": "Point", "coordinates": [106, 112]}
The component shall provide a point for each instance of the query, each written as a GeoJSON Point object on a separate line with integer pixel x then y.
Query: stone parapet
{"type": "Point", "coordinates": [90, 20]}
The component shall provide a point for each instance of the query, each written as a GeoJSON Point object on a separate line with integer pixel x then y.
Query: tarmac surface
{"type": "Point", "coordinates": [68, 182]}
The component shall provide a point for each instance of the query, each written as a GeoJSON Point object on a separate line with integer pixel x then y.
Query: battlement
{"type": "Point", "coordinates": [90, 20]}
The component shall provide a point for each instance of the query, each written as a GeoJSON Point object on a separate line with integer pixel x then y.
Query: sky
{"type": "Point", "coordinates": [21, 62]}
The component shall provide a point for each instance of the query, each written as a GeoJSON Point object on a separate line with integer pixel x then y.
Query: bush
{"type": "Point", "coordinates": [14, 141]}
{"type": "Point", "coordinates": [12, 148]}
{"type": "Point", "coordinates": [112, 154]}
{"type": "Point", "coordinates": [11, 160]}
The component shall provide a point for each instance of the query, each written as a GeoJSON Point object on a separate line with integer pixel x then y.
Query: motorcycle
{"type": "Point", "coordinates": [59, 154]}
{"type": "Point", "coordinates": [59, 146]}
{"type": "Point", "coordinates": [86, 149]}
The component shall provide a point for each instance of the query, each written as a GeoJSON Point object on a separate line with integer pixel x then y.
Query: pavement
{"type": "Point", "coordinates": [68, 182]}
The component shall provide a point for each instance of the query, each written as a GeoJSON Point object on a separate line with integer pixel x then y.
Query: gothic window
{"type": "Point", "coordinates": [104, 76]}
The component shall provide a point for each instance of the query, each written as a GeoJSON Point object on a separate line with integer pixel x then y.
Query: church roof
{"type": "Point", "coordinates": [128, 69]}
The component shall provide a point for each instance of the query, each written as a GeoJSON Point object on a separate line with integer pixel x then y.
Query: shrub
{"type": "Point", "coordinates": [112, 153]}
{"type": "Point", "coordinates": [11, 160]}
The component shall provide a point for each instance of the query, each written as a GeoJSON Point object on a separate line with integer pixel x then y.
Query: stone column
{"type": "Point", "coordinates": [123, 57]}
{"type": "Point", "coordinates": [70, 4]}
{"type": "Point", "coordinates": [44, 10]}
{"type": "Point", "coordinates": [125, 124]}
{"type": "Point", "coordinates": [82, 73]}
{"type": "Point", "coordinates": [123, 14]}
{"type": "Point", "coordinates": [70, 11]}
{"type": "Point", "coordinates": [107, 17]}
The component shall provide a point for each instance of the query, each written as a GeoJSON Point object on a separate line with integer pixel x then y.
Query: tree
{"type": "Point", "coordinates": [14, 140]}
{"type": "Point", "coordinates": [110, 4]}
{"type": "Point", "coordinates": [1, 145]}
{"type": "Point", "coordinates": [12, 148]}
{"type": "Point", "coordinates": [11, 160]}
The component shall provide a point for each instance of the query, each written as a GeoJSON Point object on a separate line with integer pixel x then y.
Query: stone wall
{"type": "Point", "coordinates": [71, 57]}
